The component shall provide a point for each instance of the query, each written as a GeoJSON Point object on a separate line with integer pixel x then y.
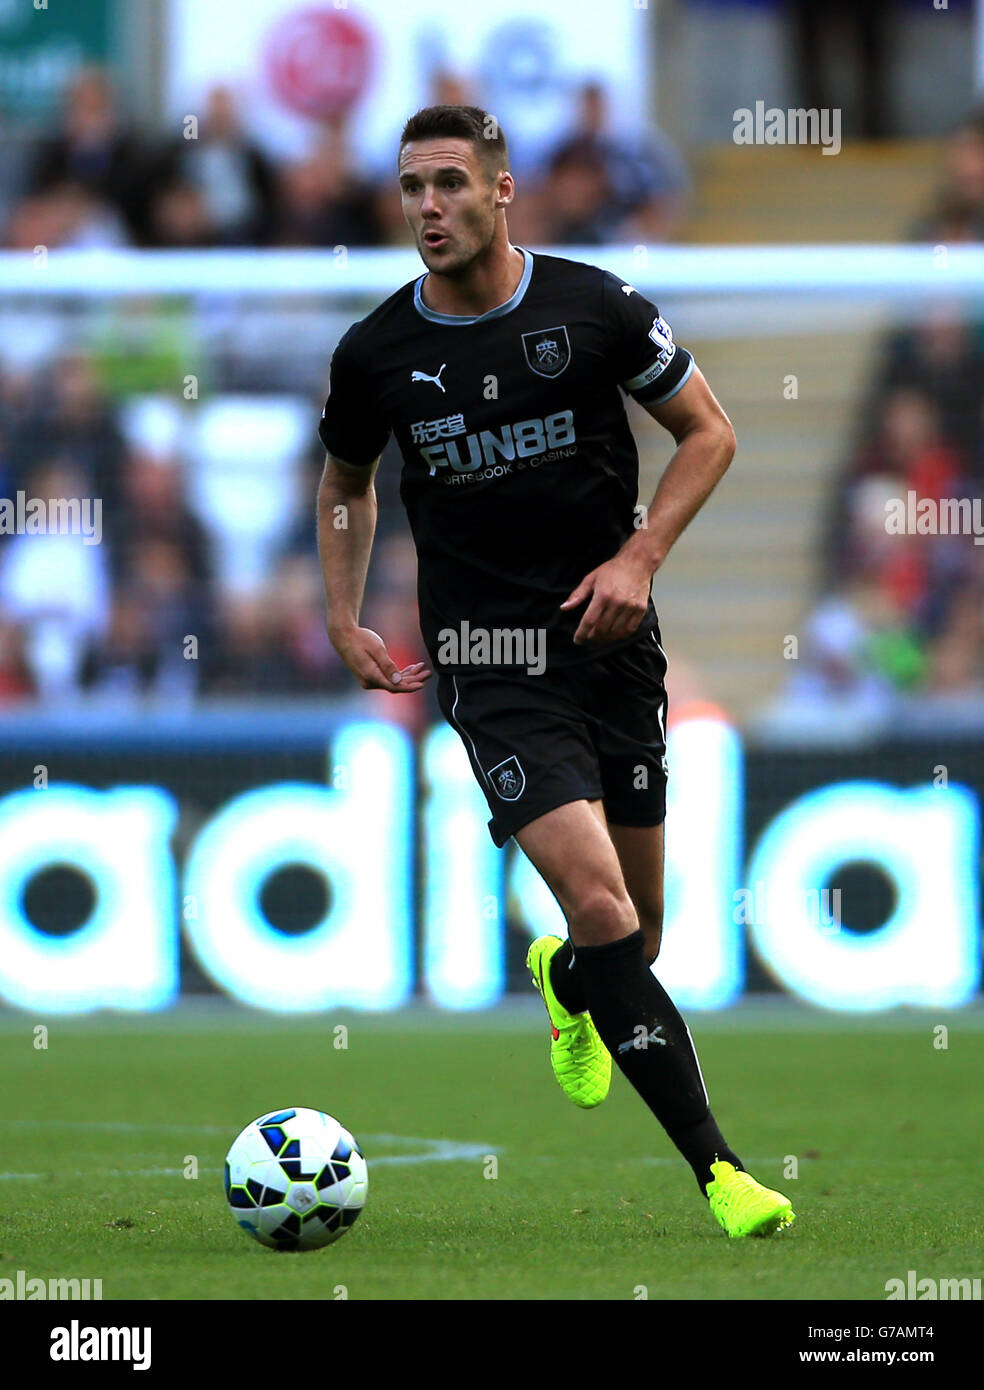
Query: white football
{"type": "Point", "coordinates": [295, 1179]}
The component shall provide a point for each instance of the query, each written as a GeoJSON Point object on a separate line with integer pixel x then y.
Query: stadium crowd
{"type": "Point", "coordinates": [207, 580]}
{"type": "Point", "coordinates": [904, 613]}
{"type": "Point", "coordinates": [96, 181]}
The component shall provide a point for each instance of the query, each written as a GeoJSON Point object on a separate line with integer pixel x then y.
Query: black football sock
{"type": "Point", "coordinates": [566, 981]}
{"type": "Point", "coordinates": [639, 1024]}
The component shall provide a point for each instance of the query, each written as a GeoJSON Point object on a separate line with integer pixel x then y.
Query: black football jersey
{"type": "Point", "coordinates": [520, 472]}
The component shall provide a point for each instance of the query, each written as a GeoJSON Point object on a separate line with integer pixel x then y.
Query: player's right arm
{"type": "Point", "coordinates": [354, 436]}
{"type": "Point", "coordinates": [346, 526]}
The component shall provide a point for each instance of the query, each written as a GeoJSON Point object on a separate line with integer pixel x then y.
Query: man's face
{"type": "Point", "coordinates": [449, 202]}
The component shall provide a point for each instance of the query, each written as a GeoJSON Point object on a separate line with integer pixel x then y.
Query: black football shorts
{"type": "Point", "coordinates": [596, 729]}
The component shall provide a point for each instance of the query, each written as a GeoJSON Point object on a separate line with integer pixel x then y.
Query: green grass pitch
{"type": "Point", "coordinates": [100, 1126]}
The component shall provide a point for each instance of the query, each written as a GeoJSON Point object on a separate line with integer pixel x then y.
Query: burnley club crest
{"type": "Point", "coordinates": [548, 351]}
{"type": "Point", "coordinates": [508, 778]}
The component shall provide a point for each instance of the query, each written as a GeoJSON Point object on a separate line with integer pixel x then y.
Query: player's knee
{"type": "Point", "coordinates": [600, 915]}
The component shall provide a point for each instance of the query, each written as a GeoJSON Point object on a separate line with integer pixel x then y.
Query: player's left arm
{"type": "Point", "coordinates": [619, 589]}
{"type": "Point", "coordinates": [705, 447]}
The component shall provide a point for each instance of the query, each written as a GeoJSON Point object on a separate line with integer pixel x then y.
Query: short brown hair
{"type": "Point", "coordinates": [469, 123]}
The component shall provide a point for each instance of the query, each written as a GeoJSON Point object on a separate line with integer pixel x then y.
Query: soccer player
{"type": "Point", "coordinates": [499, 373]}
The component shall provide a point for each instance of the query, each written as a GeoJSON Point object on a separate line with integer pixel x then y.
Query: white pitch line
{"type": "Point", "coordinates": [436, 1150]}
{"type": "Point", "coordinates": [113, 1125]}
{"type": "Point", "coordinates": [108, 1173]}
{"type": "Point", "coordinates": [443, 1151]}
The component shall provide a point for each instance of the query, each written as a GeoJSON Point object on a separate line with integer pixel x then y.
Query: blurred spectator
{"type": "Point", "coordinates": [244, 659]}
{"type": "Point", "coordinates": [835, 661]}
{"type": "Point", "coordinates": [216, 189]}
{"type": "Point", "coordinates": [73, 419]}
{"type": "Point", "coordinates": [388, 219]}
{"type": "Point", "coordinates": [391, 610]}
{"type": "Point", "coordinates": [323, 202]}
{"type": "Point", "coordinates": [958, 213]}
{"type": "Point", "coordinates": [308, 663]}
{"type": "Point", "coordinates": [156, 512]}
{"type": "Point", "coordinates": [56, 588]}
{"type": "Point", "coordinates": [860, 656]}
{"type": "Point", "coordinates": [944, 354]}
{"type": "Point", "coordinates": [162, 577]}
{"type": "Point", "coordinates": [15, 683]}
{"type": "Point", "coordinates": [449, 89]}
{"type": "Point", "coordinates": [144, 344]}
{"type": "Point", "coordinates": [578, 205]}
{"type": "Point", "coordinates": [957, 655]}
{"type": "Point", "coordinates": [70, 217]}
{"type": "Point", "coordinates": [178, 218]}
{"type": "Point", "coordinates": [915, 572]}
{"type": "Point", "coordinates": [154, 613]}
{"type": "Point", "coordinates": [626, 186]}
{"type": "Point", "coordinates": [93, 149]}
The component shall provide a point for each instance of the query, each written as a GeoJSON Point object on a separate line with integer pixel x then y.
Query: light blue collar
{"type": "Point", "coordinates": [495, 313]}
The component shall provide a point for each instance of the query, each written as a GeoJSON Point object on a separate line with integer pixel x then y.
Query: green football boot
{"type": "Point", "coordinates": [743, 1206]}
{"type": "Point", "coordinates": [581, 1062]}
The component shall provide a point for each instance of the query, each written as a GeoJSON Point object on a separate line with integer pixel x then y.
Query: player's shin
{"type": "Point", "coordinates": [651, 1044]}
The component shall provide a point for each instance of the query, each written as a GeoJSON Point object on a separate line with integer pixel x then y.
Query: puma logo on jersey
{"type": "Point", "coordinates": [422, 376]}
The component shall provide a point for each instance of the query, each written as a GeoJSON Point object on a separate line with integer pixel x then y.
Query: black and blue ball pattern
{"type": "Point", "coordinates": [296, 1179]}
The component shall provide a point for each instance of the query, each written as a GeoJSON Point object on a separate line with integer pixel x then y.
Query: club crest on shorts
{"type": "Point", "coordinates": [508, 778]}
{"type": "Point", "coordinates": [548, 350]}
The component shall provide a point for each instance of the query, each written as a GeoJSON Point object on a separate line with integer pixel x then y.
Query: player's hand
{"type": "Point", "coordinates": [364, 653]}
{"type": "Point", "coordinates": [619, 594]}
